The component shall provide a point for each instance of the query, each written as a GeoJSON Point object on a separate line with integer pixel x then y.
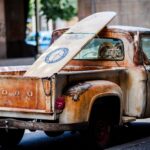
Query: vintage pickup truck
{"type": "Point", "coordinates": [106, 84]}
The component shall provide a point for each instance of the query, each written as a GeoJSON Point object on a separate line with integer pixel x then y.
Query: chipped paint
{"type": "Point", "coordinates": [80, 110]}
{"type": "Point", "coordinates": [77, 90]}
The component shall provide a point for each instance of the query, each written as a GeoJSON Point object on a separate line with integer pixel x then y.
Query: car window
{"type": "Point", "coordinates": [102, 49]}
{"type": "Point", "coordinates": [31, 38]}
{"type": "Point", "coordinates": [146, 46]}
{"type": "Point", "coordinates": [46, 38]}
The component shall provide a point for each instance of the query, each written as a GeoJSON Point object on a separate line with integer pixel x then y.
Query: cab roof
{"type": "Point", "coordinates": [129, 28]}
{"type": "Point", "coordinates": [122, 28]}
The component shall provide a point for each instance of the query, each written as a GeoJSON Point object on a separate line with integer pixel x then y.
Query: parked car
{"type": "Point", "coordinates": [44, 40]}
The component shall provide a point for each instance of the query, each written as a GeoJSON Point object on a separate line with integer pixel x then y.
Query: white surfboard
{"type": "Point", "coordinates": [68, 45]}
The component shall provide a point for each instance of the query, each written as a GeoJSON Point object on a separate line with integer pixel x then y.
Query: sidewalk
{"type": "Point", "coordinates": [17, 61]}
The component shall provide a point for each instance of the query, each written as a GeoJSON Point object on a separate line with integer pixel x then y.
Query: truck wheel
{"type": "Point", "coordinates": [10, 137]}
{"type": "Point", "coordinates": [101, 125]}
{"type": "Point", "coordinates": [100, 133]}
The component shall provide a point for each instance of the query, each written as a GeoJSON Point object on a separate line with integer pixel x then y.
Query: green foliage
{"type": "Point", "coordinates": [31, 8]}
{"type": "Point", "coordinates": [54, 9]}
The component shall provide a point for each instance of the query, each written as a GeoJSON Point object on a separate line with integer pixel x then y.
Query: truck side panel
{"type": "Point", "coordinates": [25, 95]}
{"type": "Point", "coordinates": [82, 97]}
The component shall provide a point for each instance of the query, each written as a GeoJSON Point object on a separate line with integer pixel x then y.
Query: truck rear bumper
{"type": "Point", "coordinates": [33, 125]}
{"type": "Point", "coordinates": [10, 113]}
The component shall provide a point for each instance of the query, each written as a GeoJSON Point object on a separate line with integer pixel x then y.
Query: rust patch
{"type": "Point", "coordinates": [57, 33]}
{"type": "Point", "coordinates": [137, 54]}
{"type": "Point", "coordinates": [77, 90]}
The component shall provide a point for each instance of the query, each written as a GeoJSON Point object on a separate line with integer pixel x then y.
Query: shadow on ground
{"type": "Point", "coordinates": [73, 141]}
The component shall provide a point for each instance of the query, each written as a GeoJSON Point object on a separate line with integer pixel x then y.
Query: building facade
{"type": "Point", "coordinates": [13, 16]}
{"type": "Point", "coordinates": [130, 12]}
{"type": "Point", "coordinates": [2, 31]}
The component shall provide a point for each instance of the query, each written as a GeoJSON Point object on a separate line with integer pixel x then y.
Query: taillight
{"type": "Point", "coordinates": [60, 103]}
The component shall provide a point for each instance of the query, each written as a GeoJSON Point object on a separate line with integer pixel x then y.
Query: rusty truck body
{"type": "Point", "coordinates": [107, 83]}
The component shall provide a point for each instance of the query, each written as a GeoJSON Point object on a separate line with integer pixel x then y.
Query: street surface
{"type": "Point", "coordinates": [17, 61]}
{"type": "Point", "coordinates": [134, 137]}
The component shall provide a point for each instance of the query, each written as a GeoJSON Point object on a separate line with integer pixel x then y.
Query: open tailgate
{"type": "Point", "coordinates": [27, 96]}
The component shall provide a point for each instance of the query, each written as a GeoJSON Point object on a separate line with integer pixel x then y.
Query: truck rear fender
{"type": "Point", "coordinates": [80, 99]}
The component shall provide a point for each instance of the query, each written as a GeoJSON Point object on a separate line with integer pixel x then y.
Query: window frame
{"type": "Point", "coordinates": [145, 60]}
{"type": "Point", "coordinates": [103, 59]}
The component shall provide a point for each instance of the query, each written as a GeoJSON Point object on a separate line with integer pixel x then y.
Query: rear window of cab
{"type": "Point", "coordinates": [102, 49]}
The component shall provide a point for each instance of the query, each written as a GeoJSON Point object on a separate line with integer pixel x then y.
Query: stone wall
{"type": "Point", "coordinates": [130, 12]}
{"type": "Point", "coordinates": [2, 31]}
{"type": "Point", "coordinates": [15, 27]}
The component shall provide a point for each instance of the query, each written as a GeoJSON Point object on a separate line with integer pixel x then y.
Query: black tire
{"type": "Point", "coordinates": [105, 115]}
{"type": "Point", "coordinates": [10, 137]}
{"type": "Point", "coordinates": [53, 134]}
{"type": "Point", "coordinates": [101, 133]}
{"type": "Point", "coordinates": [100, 126]}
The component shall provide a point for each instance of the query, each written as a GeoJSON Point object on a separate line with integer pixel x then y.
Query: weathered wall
{"type": "Point", "coordinates": [2, 31]}
{"type": "Point", "coordinates": [15, 16]}
{"type": "Point", "coordinates": [15, 28]}
{"type": "Point", "coordinates": [130, 12]}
